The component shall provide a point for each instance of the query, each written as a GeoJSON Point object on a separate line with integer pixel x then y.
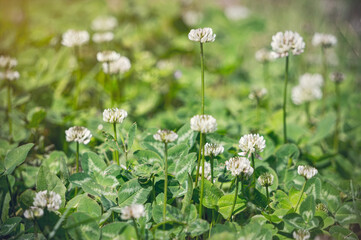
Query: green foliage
{"type": "Point", "coordinates": [14, 158]}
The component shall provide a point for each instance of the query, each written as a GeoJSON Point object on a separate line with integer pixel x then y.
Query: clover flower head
{"type": "Point", "coordinates": [258, 93]}
{"type": "Point", "coordinates": [107, 56]}
{"type": "Point", "coordinates": [191, 18]}
{"type": "Point", "coordinates": [114, 115]}
{"type": "Point", "coordinates": [302, 94]}
{"type": "Point", "coordinates": [283, 43]}
{"type": "Point", "coordinates": [301, 234]}
{"type": "Point", "coordinates": [9, 75]}
{"type": "Point", "coordinates": [78, 134]}
{"type": "Point", "coordinates": [309, 79]}
{"type": "Point", "coordinates": [7, 62]}
{"type": "Point", "coordinates": [213, 149]}
{"type": "Point", "coordinates": [202, 35]}
{"type": "Point", "coordinates": [104, 23]}
{"type": "Point", "coordinates": [324, 40]}
{"type": "Point", "coordinates": [251, 143]}
{"type": "Point", "coordinates": [207, 171]}
{"type": "Point", "coordinates": [33, 212]}
{"type": "Point", "coordinates": [133, 211]}
{"type": "Point", "coordinates": [337, 77]}
{"type": "Point", "coordinates": [307, 171]}
{"type": "Point", "coordinates": [236, 12]}
{"type": "Point", "coordinates": [72, 38]}
{"type": "Point", "coordinates": [203, 123]}
{"type": "Point", "coordinates": [50, 199]}
{"type": "Point", "coordinates": [263, 55]}
{"type": "Point", "coordinates": [122, 65]}
{"type": "Point", "coordinates": [165, 136]}
{"type": "Point", "coordinates": [103, 37]}
{"type": "Point", "coordinates": [239, 165]}
{"type": "Point", "coordinates": [266, 179]}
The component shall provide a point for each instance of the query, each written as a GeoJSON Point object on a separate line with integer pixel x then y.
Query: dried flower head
{"type": "Point", "coordinates": [104, 23]}
{"type": "Point", "coordinates": [258, 94]}
{"type": "Point", "coordinates": [50, 199]}
{"type": "Point", "coordinates": [266, 179]}
{"type": "Point", "coordinates": [121, 65]}
{"type": "Point", "coordinates": [10, 75]}
{"type": "Point", "coordinates": [203, 123]}
{"type": "Point", "coordinates": [78, 134]}
{"type": "Point", "coordinates": [107, 56]}
{"type": "Point", "coordinates": [103, 37]}
{"type": "Point", "coordinates": [165, 136]}
{"type": "Point", "coordinates": [337, 77]}
{"type": "Point", "coordinates": [307, 171]}
{"type": "Point", "coordinates": [207, 171]}
{"type": "Point", "coordinates": [324, 40]}
{"type": "Point", "coordinates": [239, 165]}
{"type": "Point", "coordinates": [133, 211]}
{"type": "Point", "coordinates": [263, 55]}
{"type": "Point", "coordinates": [283, 43]}
{"type": "Point", "coordinates": [114, 115]}
{"type": "Point", "coordinates": [251, 143]}
{"type": "Point", "coordinates": [33, 212]}
{"type": "Point", "coordinates": [213, 149]}
{"type": "Point", "coordinates": [72, 38]}
{"type": "Point", "coordinates": [202, 35]}
{"type": "Point", "coordinates": [7, 62]}
{"type": "Point", "coordinates": [301, 234]}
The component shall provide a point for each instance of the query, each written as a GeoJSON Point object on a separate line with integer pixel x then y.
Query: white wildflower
{"type": "Point", "coordinates": [301, 234]}
{"type": "Point", "coordinates": [302, 94]}
{"type": "Point", "coordinates": [165, 136]}
{"type": "Point", "coordinates": [251, 143]}
{"type": "Point", "coordinates": [73, 38]}
{"type": "Point", "coordinates": [50, 199]}
{"type": "Point", "coordinates": [283, 43]}
{"type": "Point", "coordinates": [10, 75]}
{"type": "Point", "coordinates": [324, 40]}
{"type": "Point", "coordinates": [239, 165]}
{"type": "Point", "coordinates": [7, 62]}
{"type": "Point", "coordinates": [107, 56]}
{"type": "Point", "coordinates": [309, 79]}
{"type": "Point", "coordinates": [307, 171]}
{"type": "Point", "coordinates": [211, 149]}
{"type": "Point", "coordinates": [207, 171]}
{"type": "Point", "coordinates": [236, 12]}
{"type": "Point", "coordinates": [103, 37]}
{"type": "Point", "coordinates": [33, 212]}
{"type": "Point", "coordinates": [114, 115]}
{"type": "Point", "coordinates": [263, 55]}
{"type": "Point", "coordinates": [266, 179]}
{"type": "Point", "coordinates": [78, 134]}
{"type": "Point", "coordinates": [121, 65]}
{"type": "Point", "coordinates": [337, 77]}
{"type": "Point", "coordinates": [104, 23]}
{"type": "Point", "coordinates": [258, 93]}
{"type": "Point", "coordinates": [133, 211]}
{"type": "Point", "coordinates": [202, 35]}
{"type": "Point", "coordinates": [203, 123]}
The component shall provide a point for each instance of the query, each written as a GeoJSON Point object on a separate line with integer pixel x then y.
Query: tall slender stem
{"type": "Point", "coordinates": [136, 229]}
{"type": "Point", "coordinates": [338, 117]}
{"type": "Point", "coordinates": [235, 199]}
{"type": "Point", "coordinates": [285, 102]}
{"type": "Point", "coordinates": [77, 157]}
{"type": "Point", "coordinates": [199, 159]}
{"type": "Point", "coordinates": [267, 193]}
{"type": "Point", "coordinates": [202, 185]}
{"type": "Point", "coordinates": [9, 110]}
{"type": "Point", "coordinates": [116, 153]}
{"type": "Point", "coordinates": [165, 180]}
{"type": "Point", "coordinates": [212, 163]}
{"type": "Point", "coordinates": [202, 77]}
{"type": "Point", "coordinates": [299, 200]}
{"type": "Point", "coordinates": [254, 168]}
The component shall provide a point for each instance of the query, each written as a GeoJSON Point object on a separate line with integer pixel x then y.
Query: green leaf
{"type": "Point", "coordinates": [92, 164]}
{"type": "Point", "coordinates": [9, 226]}
{"type": "Point", "coordinates": [132, 192]}
{"type": "Point", "coordinates": [4, 199]}
{"type": "Point", "coordinates": [307, 208]}
{"type": "Point", "coordinates": [190, 213]}
{"type": "Point", "coordinates": [35, 117]}
{"type": "Point", "coordinates": [172, 214]}
{"type": "Point", "coordinates": [340, 233]}
{"type": "Point", "coordinates": [284, 153]}
{"type": "Point", "coordinates": [330, 196]}
{"type": "Point", "coordinates": [26, 199]}
{"type": "Point", "coordinates": [198, 227]}
{"type": "Point", "coordinates": [187, 135]}
{"type": "Point", "coordinates": [349, 213]}
{"type": "Point", "coordinates": [188, 196]}
{"type": "Point", "coordinates": [325, 127]}
{"type": "Point", "coordinates": [313, 187]}
{"type": "Point", "coordinates": [131, 135]}
{"type": "Point", "coordinates": [225, 205]}
{"type": "Point", "coordinates": [55, 162]}
{"type": "Point", "coordinates": [82, 226]}
{"type": "Point", "coordinates": [294, 220]}
{"type": "Point", "coordinates": [113, 231]}
{"type": "Point", "coordinates": [15, 157]}
{"type": "Point", "coordinates": [89, 206]}
{"type": "Point", "coordinates": [184, 166]}
{"type": "Point", "coordinates": [212, 194]}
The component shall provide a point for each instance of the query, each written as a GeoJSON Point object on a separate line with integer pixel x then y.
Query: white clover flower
{"type": "Point", "coordinates": [302, 94]}
{"type": "Point", "coordinates": [202, 35]}
{"type": "Point", "coordinates": [78, 134]}
{"type": "Point", "coordinates": [212, 149]}
{"type": "Point", "coordinates": [7, 62]}
{"type": "Point", "coordinates": [324, 40]}
{"type": "Point", "coordinates": [165, 136]}
{"type": "Point", "coordinates": [192, 18]}
{"type": "Point", "coordinates": [203, 123]}
{"type": "Point", "coordinates": [114, 115]}
{"type": "Point", "coordinates": [103, 37]}
{"type": "Point", "coordinates": [239, 165]}
{"type": "Point", "coordinates": [236, 12]}
{"type": "Point", "coordinates": [207, 171]}
{"type": "Point", "coordinates": [258, 93]}
{"type": "Point", "coordinates": [104, 23]}
{"type": "Point", "coordinates": [251, 143]}
{"type": "Point", "coordinates": [121, 65]}
{"type": "Point", "coordinates": [107, 56]}
{"type": "Point", "coordinates": [33, 212]}
{"type": "Point", "coordinates": [265, 180]}
{"type": "Point", "coordinates": [337, 77]}
{"type": "Point", "coordinates": [133, 211]}
{"type": "Point", "coordinates": [72, 38]}
{"type": "Point", "coordinates": [263, 55]}
{"type": "Point", "coordinates": [283, 43]}
{"type": "Point", "coordinates": [51, 200]}
{"type": "Point", "coordinates": [307, 171]}
{"type": "Point", "coordinates": [309, 79]}
{"type": "Point", "coordinates": [10, 75]}
{"type": "Point", "coordinates": [40, 199]}
{"type": "Point", "coordinates": [301, 234]}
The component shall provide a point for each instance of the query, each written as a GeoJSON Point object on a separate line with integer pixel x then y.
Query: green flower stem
{"type": "Point", "coordinates": [202, 186]}
{"type": "Point", "coordinates": [299, 200]}
{"type": "Point", "coordinates": [124, 148]}
{"type": "Point", "coordinates": [202, 77]}
{"type": "Point", "coordinates": [324, 66]}
{"type": "Point", "coordinates": [153, 186]}
{"type": "Point", "coordinates": [338, 116]}
{"type": "Point", "coordinates": [165, 181]}
{"type": "Point", "coordinates": [242, 188]}
{"type": "Point", "coordinates": [77, 157]}
{"type": "Point", "coordinates": [9, 110]}
{"type": "Point", "coordinates": [267, 193]}
{"type": "Point", "coordinates": [285, 102]}
{"type": "Point", "coordinates": [36, 230]}
{"type": "Point", "coordinates": [254, 169]}
{"type": "Point", "coordinates": [235, 199]}
{"type": "Point", "coordinates": [136, 229]}
{"type": "Point", "coordinates": [116, 153]}
{"type": "Point", "coordinates": [212, 163]}
{"type": "Point", "coordinates": [199, 159]}
{"type": "Point", "coordinates": [308, 115]}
